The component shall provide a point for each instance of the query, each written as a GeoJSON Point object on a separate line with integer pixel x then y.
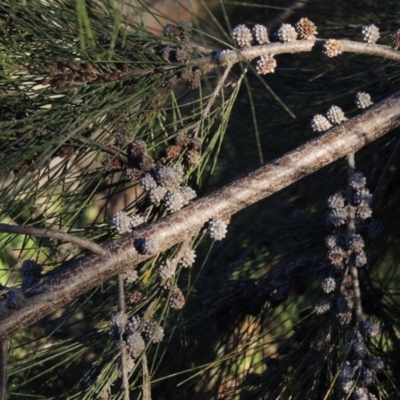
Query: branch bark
{"type": "Point", "coordinates": [77, 277]}
{"type": "Point", "coordinates": [3, 369]}
{"type": "Point", "coordinates": [304, 46]}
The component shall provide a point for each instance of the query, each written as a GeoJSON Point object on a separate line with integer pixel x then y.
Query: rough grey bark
{"type": "Point", "coordinates": [75, 278]}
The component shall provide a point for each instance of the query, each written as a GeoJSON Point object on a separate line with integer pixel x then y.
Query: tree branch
{"type": "Point", "coordinates": [76, 277]}
{"type": "Point", "coordinates": [49, 233]}
{"type": "Point", "coordinates": [303, 46]}
{"type": "Point", "coordinates": [211, 100]}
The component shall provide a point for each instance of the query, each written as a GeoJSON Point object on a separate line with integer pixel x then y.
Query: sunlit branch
{"type": "Point", "coordinates": [304, 46]}
{"type": "Point", "coordinates": [77, 277]}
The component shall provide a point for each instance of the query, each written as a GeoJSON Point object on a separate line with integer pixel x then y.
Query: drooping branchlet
{"type": "Point", "coordinates": [66, 73]}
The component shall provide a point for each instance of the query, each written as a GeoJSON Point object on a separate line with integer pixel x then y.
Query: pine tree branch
{"type": "Point", "coordinates": [77, 277]}
{"type": "Point", "coordinates": [212, 98]}
{"type": "Point", "coordinates": [303, 46]}
{"type": "Point", "coordinates": [49, 233]}
{"type": "Point", "coordinates": [146, 379]}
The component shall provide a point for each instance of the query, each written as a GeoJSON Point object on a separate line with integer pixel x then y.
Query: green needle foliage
{"type": "Point", "coordinates": [93, 102]}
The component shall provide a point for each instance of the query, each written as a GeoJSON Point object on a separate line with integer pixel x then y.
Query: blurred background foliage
{"type": "Point", "coordinates": [239, 335]}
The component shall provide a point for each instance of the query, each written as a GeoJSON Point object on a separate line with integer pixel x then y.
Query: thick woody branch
{"type": "Point", "coordinates": [304, 46]}
{"type": "Point", "coordinates": [77, 277]}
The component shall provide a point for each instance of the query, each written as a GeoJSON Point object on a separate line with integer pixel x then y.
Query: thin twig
{"type": "Point", "coordinates": [49, 233]}
{"type": "Point", "coordinates": [74, 278]}
{"type": "Point", "coordinates": [211, 100]}
{"type": "Point", "coordinates": [146, 379]}
{"type": "Point", "coordinates": [122, 342]}
{"type": "Point", "coordinates": [351, 229]}
{"type": "Point", "coordinates": [148, 315]}
{"type": "Point", "coordinates": [3, 369]}
{"type": "Point", "coordinates": [301, 46]}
